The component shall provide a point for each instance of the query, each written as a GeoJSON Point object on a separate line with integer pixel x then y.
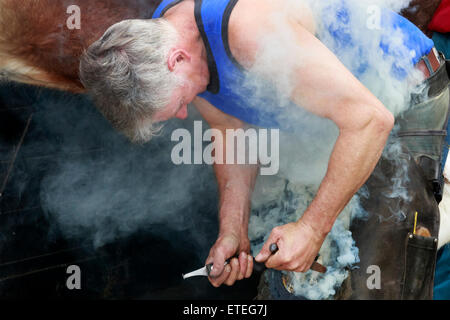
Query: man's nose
{"type": "Point", "coordinates": [182, 113]}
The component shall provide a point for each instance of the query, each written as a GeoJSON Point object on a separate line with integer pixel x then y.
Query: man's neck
{"type": "Point", "coordinates": [182, 17]}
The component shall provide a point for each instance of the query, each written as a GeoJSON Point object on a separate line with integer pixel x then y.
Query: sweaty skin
{"type": "Point", "coordinates": [364, 126]}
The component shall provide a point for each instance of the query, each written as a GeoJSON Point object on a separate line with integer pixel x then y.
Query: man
{"type": "Point", "coordinates": [143, 72]}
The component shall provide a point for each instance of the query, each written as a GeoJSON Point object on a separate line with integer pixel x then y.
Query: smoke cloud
{"type": "Point", "coordinates": [127, 188]}
{"type": "Point", "coordinates": [342, 27]}
{"type": "Point", "coordinates": [102, 188]}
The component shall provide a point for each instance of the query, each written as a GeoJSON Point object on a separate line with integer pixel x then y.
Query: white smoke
{"type": "Point", "coordinates": [277, 202]}
{"type": "Point", "coordinates": [119, 188]}
{"type": "Point", "coordinates": [396, 5]}
{"type": "Point", "coordinates": [364, 57]}
{"type": "Point", "coordinates": [398, 187]}
{"type": "Point", "coordinates": [118, 195]}
{"type": "Point", "coordinates": [349, 31]}
{"type": "Point", "coordinates": [304, 152]}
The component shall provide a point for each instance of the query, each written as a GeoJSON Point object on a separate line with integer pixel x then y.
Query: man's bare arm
{"type": "Point", "coordinates": [322, 85]}
{"type": "Point", "coordinates": [325, 87]}
{"type": "Point", "coordinates": [235, 184]}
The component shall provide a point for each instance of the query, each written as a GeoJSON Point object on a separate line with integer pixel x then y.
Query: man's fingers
{"type": "Point", "coordinates": [243, 262]}
{"type": "Point", "coordinates": [249, 270]}
{"type": "Point", "coordinates": [275, 261]}
{"type": "Point", "coordinates": [265, 253]}
{"type": "Point", "coordinates": [301, 269]}
{"type": "Point", "coordinates": [216, 282]}
{"type": "Point", "coordinates": [218, 264]}
{"type": "Point", "coordinates": [234, 263]}
{"type": "Point", "coordinates": [232, 271]}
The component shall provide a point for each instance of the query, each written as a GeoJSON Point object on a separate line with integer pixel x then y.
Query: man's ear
{"type": "Point", "coordinates": [177, 57]}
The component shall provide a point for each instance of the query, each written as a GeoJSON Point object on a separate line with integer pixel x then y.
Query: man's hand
{"type": "Point", "coordinates": [298, 246]}
{"type": "Point", "coordinates": [227, 246]}
{"type": "Point", "coordinates": [236, 184]}
{"type": "Point", "coordinates": [363, 121]}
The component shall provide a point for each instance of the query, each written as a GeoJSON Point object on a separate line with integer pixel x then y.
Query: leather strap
{"type": "Point", "coordinates": [429, 64]}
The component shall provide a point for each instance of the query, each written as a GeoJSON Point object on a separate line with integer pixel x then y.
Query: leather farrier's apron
{"type": "Point", "coordinates": [386, 240]}
{"type": "Point", "coordinates": [407, 261]}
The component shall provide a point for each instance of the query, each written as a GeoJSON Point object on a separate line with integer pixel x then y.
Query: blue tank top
{"type": "Point", "coordinates": [397, 37]}
{"type": "Point", "coordinates": [228, 89]}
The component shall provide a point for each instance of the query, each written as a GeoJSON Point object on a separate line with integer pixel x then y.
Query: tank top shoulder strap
{"type": "Point", "coordinates": [212, 18]}
{"type": "Point", "coordinates": [163, 7]}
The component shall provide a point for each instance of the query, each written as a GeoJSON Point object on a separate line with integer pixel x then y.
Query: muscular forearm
{"type": "Point", "coordinates": [235, 181]}
{"type": "Point", "coordinates": [354, 157]}
{"type": "Point", "coordinates": [236, 184]}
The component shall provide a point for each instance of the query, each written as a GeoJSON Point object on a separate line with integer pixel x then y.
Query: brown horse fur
{"type": "Point", "coordinates": [36, 46]}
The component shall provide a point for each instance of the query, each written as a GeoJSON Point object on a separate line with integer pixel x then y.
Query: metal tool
{"type": "Point", "coordinates": [206, 270]}
{"type": "Point", "coordinates": [257, 266]}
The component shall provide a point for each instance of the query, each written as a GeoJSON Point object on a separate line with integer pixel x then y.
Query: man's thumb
{"type": "Point", "coordinates": [218, 265]}
{"type": "Point", "coordinates": [265, 253]}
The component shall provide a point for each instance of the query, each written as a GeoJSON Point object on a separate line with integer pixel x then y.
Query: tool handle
{"type": "Point", "coordinates": [257, 266]}
{"type": "Point", "coordinates": [260, 267]}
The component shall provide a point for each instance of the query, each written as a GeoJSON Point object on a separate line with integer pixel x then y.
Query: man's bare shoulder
{"type": "Point", "coordinates": [251, 20]}
{"type": "Point", "coordinates": [246, 26]}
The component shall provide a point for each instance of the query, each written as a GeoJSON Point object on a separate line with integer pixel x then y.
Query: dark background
{"type": "Point", "coordinates": [39, 129]}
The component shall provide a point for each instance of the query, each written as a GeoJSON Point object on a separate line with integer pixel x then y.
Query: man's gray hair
{"type": "Point", "coordinates": [126, 74]}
